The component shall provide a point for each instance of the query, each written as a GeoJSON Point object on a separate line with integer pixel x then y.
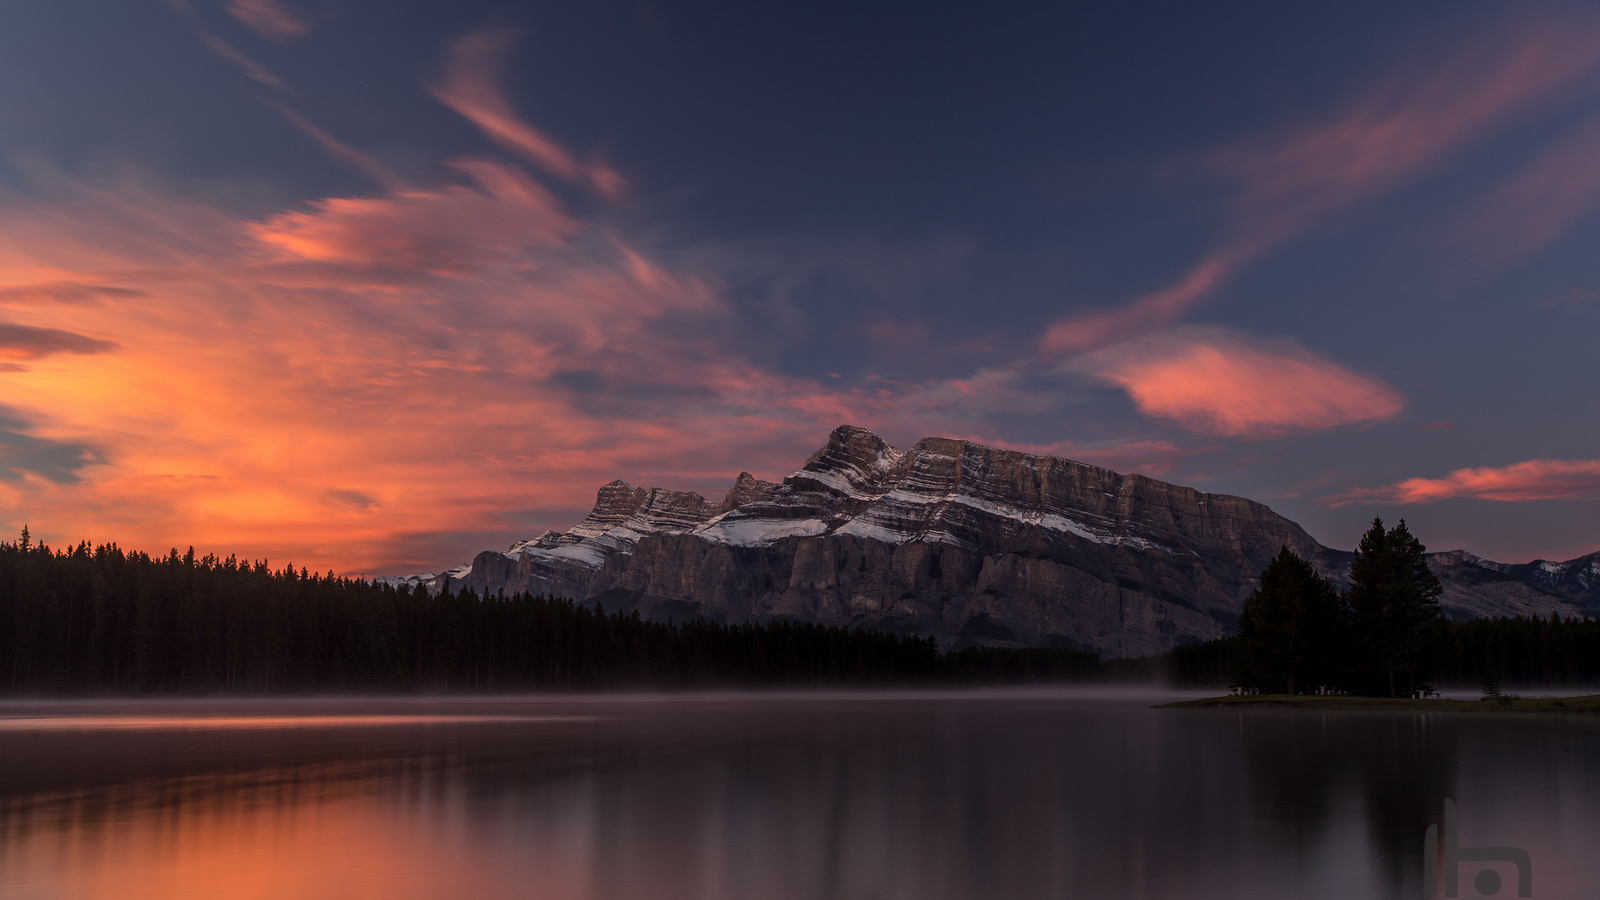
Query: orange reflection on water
{"type": "Point", "coordinates": [268, 846]}
{"type": "Point", "coordinates": [234, 723]}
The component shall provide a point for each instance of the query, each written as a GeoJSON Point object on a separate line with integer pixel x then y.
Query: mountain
{"type": "Point", "coordinates": [970, 544]}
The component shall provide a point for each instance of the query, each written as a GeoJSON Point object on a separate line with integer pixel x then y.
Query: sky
{"type": "Point", "coordinates": [372, 286]}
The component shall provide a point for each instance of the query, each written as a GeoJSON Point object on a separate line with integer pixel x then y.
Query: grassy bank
{"type": "Point", "coordinates": [1589, 703]}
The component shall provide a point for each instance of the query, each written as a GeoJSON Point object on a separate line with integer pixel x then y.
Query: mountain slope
{"type": "Point", "coordinates": [968, 543]}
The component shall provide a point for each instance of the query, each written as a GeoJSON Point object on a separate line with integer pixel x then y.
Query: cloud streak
{"type": "Point", "coordinates": [1534, 479]}
{"type": "Point", "coordinates": [253, 70]}
{"type": "Point", "coordinates": [268, 18]}
{"type": "Point", "coordinates": [341, 152]}
{"type": "Point", "coordinates": [1217, 381]}
{"type": "Point", "coordinates": [1541, 202]}
{"type": "Point", "coordinates": [445, 231]}
{"type": "Point", "coordinates": [1291, 180]}
{"type": "Point", "coordinates": [470, 85]}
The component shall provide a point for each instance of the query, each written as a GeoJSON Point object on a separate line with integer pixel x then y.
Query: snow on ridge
{"type": "Point", "coordinates": [758, 532]}
{"type": "Point", "coordinates": [887, 534]}
{"type": "Point", "coordinates": [917, 496]}
{"type": "Point", "coordinates": [398, 581]}
{"type": "Point", "coordinates": [836, 482]}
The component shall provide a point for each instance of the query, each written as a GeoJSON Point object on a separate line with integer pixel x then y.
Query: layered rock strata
{"type": "Point", "coordinates": [966, 543]}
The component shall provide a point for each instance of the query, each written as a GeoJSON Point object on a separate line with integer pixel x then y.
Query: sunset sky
{"type": "Point", "coordinates": [371, 286]}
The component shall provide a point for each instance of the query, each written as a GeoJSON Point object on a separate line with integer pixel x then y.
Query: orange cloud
{"type": "Point", "coordinates": [1292, 180]}
{"type": "Point", "coordinates": [268, 18]}
{"type": "Point", "coordinates": [441, 231]}
{"type": "Point", "coordinates": [321, 383]}
{"type": "Point", "coordinates": [1535, 479]}
{"type": "Point", "coordinates": [1221, 382]}
{"type": "Point", "coordinates": [470, 86]}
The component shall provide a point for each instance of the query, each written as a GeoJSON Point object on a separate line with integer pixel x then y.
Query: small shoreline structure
{"type": "Point", "coordinates": [1589, 703]}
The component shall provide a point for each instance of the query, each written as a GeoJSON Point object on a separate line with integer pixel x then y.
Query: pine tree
{"type": "Point", "coordinates": [1491, 680]}
{"type": "Point", "coordinates": [1290, 631]}
{"type": "Point", "coordinates": [1394, 601]}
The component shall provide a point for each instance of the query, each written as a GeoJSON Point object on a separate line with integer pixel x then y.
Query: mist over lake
{"type": "Point", "coordinates": [896, 795]}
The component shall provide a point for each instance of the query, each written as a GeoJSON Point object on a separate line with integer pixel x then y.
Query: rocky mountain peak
{"type": "Point", "coordinates": [616, 501]}
{"type": "Point", "coordinates": [747, 489]}
{"type": "Point", "coordinates": [664, 510]}
{"type": "Point", "coordinates": [968, 543]}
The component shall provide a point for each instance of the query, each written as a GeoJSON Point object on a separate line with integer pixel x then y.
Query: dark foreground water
{"type": "Point", "coordinates": [914, 796]}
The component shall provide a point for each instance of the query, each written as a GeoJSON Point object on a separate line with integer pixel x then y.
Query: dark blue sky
{"type": "Point", "coordinates": [484, 257]}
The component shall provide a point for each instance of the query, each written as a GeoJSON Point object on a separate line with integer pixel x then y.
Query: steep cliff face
{"type": "Point", "coordinates": [970, 544]}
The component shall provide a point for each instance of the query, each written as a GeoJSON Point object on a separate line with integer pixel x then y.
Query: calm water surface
{"type": "Point", "coordinates": [777, 796]}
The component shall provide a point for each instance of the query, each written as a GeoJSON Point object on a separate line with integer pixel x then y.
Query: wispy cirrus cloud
{"type": "Point", "coordinates": [253, 70]}
{"type": "Point", "coordinates": [1294, 179]}
{"type": "Point", "coordinates": [1223, 382]}
{"type": "Point", "coordinates": [1534, 479]}
{"type": "Point", "coordinates": [470, 85]}
{"type": "Point", "coordinates": [354, 347]}
{"type": "Point", "coordinates": [451, 229]}
{"type": "Point", "coordinates": [1540, 203]}
{"type": "Point", "coordinates": [270, 19]}
{"type": "Point", "coordinates": [317, 381]}
{"type": "Point", "coordinates": [343, 153]}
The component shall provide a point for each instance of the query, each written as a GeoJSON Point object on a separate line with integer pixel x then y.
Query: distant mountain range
{"type": "Point", "coordinates": [967, 543]}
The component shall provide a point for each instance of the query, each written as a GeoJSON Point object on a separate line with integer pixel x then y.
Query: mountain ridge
{"type": "Point", "coordinates": [967, 543]}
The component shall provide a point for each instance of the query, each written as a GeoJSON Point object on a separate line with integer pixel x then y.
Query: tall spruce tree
{"type": "Point", "coordinates": [1394, 603]}
{"type": "Point", "coordinates": [1291, 630]}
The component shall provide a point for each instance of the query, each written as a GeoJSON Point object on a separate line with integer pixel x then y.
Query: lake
{"type": "Point", "coordinates": [920, 796]}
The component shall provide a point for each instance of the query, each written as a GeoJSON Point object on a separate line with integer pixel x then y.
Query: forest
{"type": "Point", "coordinates": [105, 621]}
{"type": "Point", "coordinates": [1386, 635]}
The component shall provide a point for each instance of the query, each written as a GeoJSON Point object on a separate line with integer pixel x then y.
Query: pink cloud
{"type": "Point", "coordinates": [268, 18]}
{"type": "Point", "coordinates": [1535, 479]}
{"type": "Point", "coordinates": [1293, 179]}
{"type": "Point", "coordinates": [1152, 310]}
{"type": "Point", "coordinates": [251, 69]}
{"type": "Point", "coordinates": [1544, 200]}
{"type": "Point", "coordinates": [1221, 382]}
{"type": "Point", "coordinates": [471, 87]}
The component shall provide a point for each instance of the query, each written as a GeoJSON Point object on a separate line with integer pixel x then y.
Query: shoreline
{"type": "Point", "coordinates": [1589, 703]}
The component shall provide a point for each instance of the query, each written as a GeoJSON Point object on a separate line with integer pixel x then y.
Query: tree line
{"type": "Point", "coordinates": [103, 620]}
{"type": "Point", "coordinates": [1386, 634]}
{"type": "Point", "coordinates": [96, 620]}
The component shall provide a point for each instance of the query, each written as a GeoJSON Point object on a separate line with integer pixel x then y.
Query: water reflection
{"type": "Point", "coordinates": [914, 797]}
{"type": "Point", "coordinates": [1398, 768]}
